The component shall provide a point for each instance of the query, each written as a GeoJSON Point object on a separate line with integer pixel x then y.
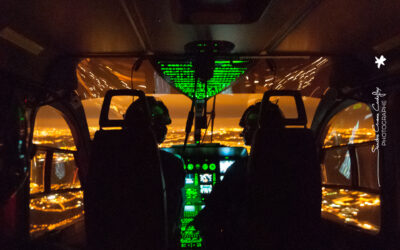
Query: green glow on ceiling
{"type": "Point", "coordinates": [181, 76]}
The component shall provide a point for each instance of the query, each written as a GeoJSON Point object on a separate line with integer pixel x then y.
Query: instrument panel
{"type": "Point", "coordinates": [205, 165]}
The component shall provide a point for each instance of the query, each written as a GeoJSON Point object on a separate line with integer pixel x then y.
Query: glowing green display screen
{"type": "Point", "coordinates": [181, 76]}
{"type": "Point", "coordinates": [199, 181]}
{"type": "Point", "coordinates": [190, 237]}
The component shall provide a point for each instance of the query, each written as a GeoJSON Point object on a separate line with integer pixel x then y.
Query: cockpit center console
{"type": "Point", "coordinates": [205, 166]}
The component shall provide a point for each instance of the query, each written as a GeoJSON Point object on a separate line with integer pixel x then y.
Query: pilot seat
{"type": "Point", "coordinates": [284, 182]}
{"type": "Point", "coordinates": [125, 204]}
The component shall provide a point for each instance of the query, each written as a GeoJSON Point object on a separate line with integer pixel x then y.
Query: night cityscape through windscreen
{"type": "Point", "coordinates": [57, 210]}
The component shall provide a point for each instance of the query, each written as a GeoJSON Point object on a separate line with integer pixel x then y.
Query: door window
{"type": "Point", "coordinates": [56, 198]}
{"type": "Point", "coordinates": [350, 169]}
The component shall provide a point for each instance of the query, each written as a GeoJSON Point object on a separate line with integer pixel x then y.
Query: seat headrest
{"type": "Point", "coordinates": [105, 109]}
{"type": "Point", "coordinates": [301, 119]}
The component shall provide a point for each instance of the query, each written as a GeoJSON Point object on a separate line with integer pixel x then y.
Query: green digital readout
{"type": "Point", "coordinates": [199, 181]}
{"type": "Point", "coordinates": [181, 76]}
{"type": "Point", "coordinates": [190, 237]}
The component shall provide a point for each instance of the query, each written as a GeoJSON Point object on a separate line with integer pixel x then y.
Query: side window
{"type": "Point", "coordinates": [56, 198]}
{"type": "Point", "coordinates": [350, 169]}
{"type": "Point", "coordinates": [336, 166]}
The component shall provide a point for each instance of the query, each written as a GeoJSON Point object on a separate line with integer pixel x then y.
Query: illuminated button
{"type": "Point", "coordinates": [197, 166]}
{"type": "Point", "coordinates": [205, 166]}
{"type": "Point", "coordinates": [190, 166]}
{"type": "Point", "coordinates": [212, 166]}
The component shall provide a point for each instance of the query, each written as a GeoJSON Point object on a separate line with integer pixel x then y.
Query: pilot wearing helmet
{"type": "Point", "coordinates": [172, 166]}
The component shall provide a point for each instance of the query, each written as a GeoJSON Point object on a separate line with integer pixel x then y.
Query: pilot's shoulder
{"type": "Point", "coordinates": [239, 167]}
{"type": "Point", "coordinates": [241, 163]}
{"type": "Point", "coordinates": [170, 157]}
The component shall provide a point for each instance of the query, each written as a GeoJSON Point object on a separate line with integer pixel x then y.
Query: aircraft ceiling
{"type": "Point", "coordinates": [311, 26]}
{"type": "Point", "coordinates": [83, 27]}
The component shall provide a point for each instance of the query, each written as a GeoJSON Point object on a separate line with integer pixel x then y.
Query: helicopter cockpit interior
{"type": "Point", "coordinates": [69, 71]}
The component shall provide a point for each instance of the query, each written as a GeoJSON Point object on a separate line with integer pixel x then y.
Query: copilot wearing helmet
{"type": "Point", "coordinates": [249, 122]}
{"type": "Point", "coordinates": [273, 118]}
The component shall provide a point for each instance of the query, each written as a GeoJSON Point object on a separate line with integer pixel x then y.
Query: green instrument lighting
{"type": "Point", "coordinates": [191, 193]}
{"type": "Point", "coordinates": [21, 114]}
{"type": "Point", "coordinates": [202, 175]}
{"type": "Point", "coordinates": [357, 106]}
{"type": "Point", "coordinates": [239, 61]}
{"type": "Point", "coordinates": [213, 166]}
{"type": "Point", "coordinates": [181, 76]}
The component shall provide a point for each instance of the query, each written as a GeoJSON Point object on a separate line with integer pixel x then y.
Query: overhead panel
{"type": "Point", "coordinates": [180, 75]}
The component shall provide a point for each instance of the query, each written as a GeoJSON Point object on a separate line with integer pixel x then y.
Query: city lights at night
{"type": "Point", "coordinates": [347, 206]}
{"type": "Point", "coordinates": [345, 134]}
{"type": "Point", "coordinates": [55, 211]}
{"type": "Point", "coordinates": [200, 124]}
{"type": "Point", "coordinates": [352, 207]}
{"type": "Point", "coordinates": [97, 76]}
